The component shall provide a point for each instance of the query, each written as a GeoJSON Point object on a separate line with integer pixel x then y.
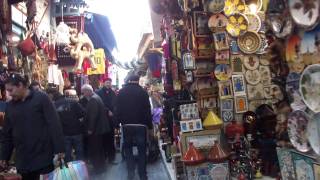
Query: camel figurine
{"type": "Point", "coordinates": [82, 48]}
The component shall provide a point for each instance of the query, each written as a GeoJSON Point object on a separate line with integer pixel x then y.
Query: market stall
{"type": "Point", "coordinates": [241, 81]}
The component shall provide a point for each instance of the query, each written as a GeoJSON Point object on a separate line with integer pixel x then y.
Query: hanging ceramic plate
{"type": "Point", "coordinates": [249, 43]}
{"type": "Point", "coordinates": [237, 25]}
{"type": "Point", "coordinates": [253, 5]}
{"type": "Point", "coordinates": [314, 134]}
{"type": "Point", "coordinates": [255, 92]}
{"type": "Point", "coordinates": [305, 13]}
{"type": "Point", "coordinates": [253, 77]}
{"type": "Point", "coordinates": [265, 75]}
{"type": "Point", "coordinates": [214, 6]}
{"type": "Point", "coordinates": [217, 21]}
{"type": "Point", "coordinates": [234, 6]}
{"type": "Point", "coordinates": [264, 44]}
{"type": "Point", "coordinates": [254, 22]}
{"type": "Point", "coordinates": [297, 130]}
{"type": "Point", "coordinates": [223, 72]}
{"type": "Point", "coordinates": [310, 87]}
{"type": "Point", "coordinates": [264, 60]}
{"type": "Point", "coordinates": [251, 62]}
{"type": "Point", "coordinates": [281, 25]}
{"type": "Point", "coordinates": [262, 16]}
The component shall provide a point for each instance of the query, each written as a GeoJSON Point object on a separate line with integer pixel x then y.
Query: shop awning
{"type": "Point", "coordinates": [99, 30]}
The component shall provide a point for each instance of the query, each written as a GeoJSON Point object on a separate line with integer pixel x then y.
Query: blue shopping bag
{"type": "Point", "coordinates": [76, 170]}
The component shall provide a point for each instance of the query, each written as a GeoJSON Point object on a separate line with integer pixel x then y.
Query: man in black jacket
{"type": "Point", "coordinates": [70, 113]}
{"type": "Point", "coordinates": [96, 125]}
{"type": "Point", "coordinates": [108, 97]}
{"type": "Point", "coordinates": [133, 107]}
{"type": "Point", "coordinates": [32, 127]}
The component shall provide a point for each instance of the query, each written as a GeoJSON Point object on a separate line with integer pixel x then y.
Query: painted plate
{"type": "Point", "coordinates": [313, 133]}
{"type": "Point", "coordinates": [251, 62]}
{"type": "Point", "coordinates": [237, 25]}
{"type": "Point", "coordinates": [310, 87]}
{"type": "Point", "coordinates": [255, 92]}
{"type": "Point", "coordinates": [223, 72]}
{"type": "Point", "coordinates": [264, 60]}
{"type": "Point", "coordinates": [215, 6]}
{"type": "Point", "coordinates": [253, 77]}
{"type": "Point", "coordinates": [297, 130]}
{"type": "Point", "coordinates": [262, 16]}
{"type": "Point", "coordinates": [234, 6]}
{"type": "Point", "coordinates": [249, 43]}
{"type": "Point", "coordinates": [265, 75]}
{"type": "Point", "coordinates": [254, 22]}
{"type": "Point", "coordinates": [264, 44]}
{"type": "Point", "coordinates": [305, 13]}
{"type": "Point", "coordinates": [280, 26]}
{"type": "Point", "coordinates": [217, 21]}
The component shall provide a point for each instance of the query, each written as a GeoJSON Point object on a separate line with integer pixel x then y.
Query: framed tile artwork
{"type": "Point", "coordinates": [227, 115]}
{"type": "Point", "coordinates": [220, 41]}
{"type": "Point", "coordinates": [234, 48]}
{"type": "Point", "coordinates": [236, 64]}
{"type": "Point", "coordinates": [225, 89]}
{"type": "Point", "coordinates": [226, 104]}
{"type": "Point", "coordinates": [222, 57]}
{"type": "Point", "coordinates": [241, 104]}
{"type": "Point", "coordinates": [238, 85]}
{"type": "Point", "coordinates": [200, 24]}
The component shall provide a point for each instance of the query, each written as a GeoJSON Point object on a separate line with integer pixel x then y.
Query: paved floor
{"type": "Point", "coordinates": [156, 171]}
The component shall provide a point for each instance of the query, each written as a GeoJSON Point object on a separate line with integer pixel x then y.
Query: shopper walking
{"type": "Point", "coordinates": [133, 107]}
{"type": "Point", "coordinates": [32, 127]}
{"type": "Point", "coordinates": [96, 126]}
{"type": "Point", "coordinates": [108, 97]}
{"type": "Point", "coordinates": [71, 113]}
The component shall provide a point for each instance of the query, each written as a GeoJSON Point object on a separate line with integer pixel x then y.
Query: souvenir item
{"type": "Point", "coordinates": [254, 22]}
{"type": "Point", "coordinates": [204, 48]}
{"type": "Point", "coordinates": [226, 104]}
{"type": "Point", "coordinates": [249, 42]}
{"type": "Point", "coordinates": [189, 76]}
{"type": "Point", "coordinates": [208, 102]}
{"type": "Point", "coordinates": [220, 40]}
{"type": "Point", "coordinates": [237, 25]}
{"type": "Point", "coordinates": [212, 121]}
{"type": "Point", "coordinates": [316, 170]}
{"type": "Point", "coordinates": [305, 13]}
{"type": "Point", "coordinates": [238, 85]}
{"type": "Point", "coordinates": [303, 166]}
{"type": "Point", "coordinates": [310, 87]}
{"type": "Point", "coordinates": [253, 77]}
{"type": "Point", "coordinates": [193, 156]}
{"type": "Point", "coordinates": [189, 111]}
{"type": "Point", "coordinates": [236, 64]}
{"type": "Point", "coordinates": [281, 24]}
{"type": "Point", "coordinates": [191, 125]}
{"type": "Point", "coordinates": [313, 133]}
{"type": "Point", "coordinates": [293, 49]}
{"type": "Point", "coordinates": [213, 6]}
{"type": "Point", "coordinates": [188, 61]}
{"type": "Point", "coordinates": [253, 104]}
{"type": "Point", "coordinates": [225, 89]}
{"type": "Point", "coordinates": [223, 72]}
{"type": "Point", "coordinates": [222, 57]}
{"type": "Point", "coordinates": [254, 5]}
{"type": "Point", "coordinates": [262, 17]}
{"type": "Point", "coordinates": [267, 92]}
{"type": "Point", "coordinates": [255, 92]}
{"type": "Point", "coordinates": [265, 75]}
{"type": "Point", "coordinates": [226, 115]}
{"type": "Point", "coordinates": [217, 154]}
{"type": "Point", "coordinates": [286, 164]}
{"type": "Point", "coordinates": [251, 62]}
{"type": "Point", "coordinates": [234, 6]}
{"type": "Point", "coordinates": [241, 104]}
{"type": "Point", "coordinates": [217, 22]}
{"type": "Point", "coordinates": [264, 60]}
{"type": "Point", "coordinates": [219, 171]}
{"type": "Point", "coordinates": [226, 110]}
{"type": "Point", "coordinates": [297, 130]}
{"type": "Point", "coordinates": [310, 46]}
{"type": "Point", "coordinates": [200, 24]}
{"type": "Point", "coordinates": [264, 44]}
{"type": "Point", "coordinates": [234, 49]}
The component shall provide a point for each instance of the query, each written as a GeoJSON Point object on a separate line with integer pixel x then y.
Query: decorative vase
{"type": "Point", "coordinates": [193, 156]}
{"type": "Point", "coordinates": [217, 154]}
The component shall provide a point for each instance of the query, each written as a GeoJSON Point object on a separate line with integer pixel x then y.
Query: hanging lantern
{"type": "Point", "coordinates": [212, 121]}
{"type": "Point", "coordinates": [193, 156]}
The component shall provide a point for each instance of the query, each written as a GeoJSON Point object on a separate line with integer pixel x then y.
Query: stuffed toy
{"type": "Point", "coordinates": [82, 48]}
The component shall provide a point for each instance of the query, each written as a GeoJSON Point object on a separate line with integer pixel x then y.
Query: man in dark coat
{"type": "Point", "coordinates": [108, 97]}
{"type": "Point", "coordinates": [133, 107]}
{"type": "Point", "coordinates": [96, 125]}
{"type": "Point", "coordinates": [33, 128]}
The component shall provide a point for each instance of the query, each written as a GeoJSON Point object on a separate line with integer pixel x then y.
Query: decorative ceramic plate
{"type": "Point", "coordinates": [215, 6]}
{"type": "Point", "coordinates": [249, 43]}
{"type": "Point", "coordinates": [304, 13]}
{"type": "Point", "coordinates": [262, 16]}
{"type": "Point", "coordinates": [217, 21]}
{"type": "Point", "coordinates": [281, 27]}
{"type": "Point", "coordinates": [313, 133]}
{"type": "Point", "coordinates": [254, 5]}
{"type": "Point", "coordinates": [310, 87]}
{"type": "Point", "coordinates": [254, 22]}
{"type": "Point", "coordinates": [265, 75]}
{"type": "Point", "coordinates": [264, 44]}
{"type": "Point", "coordinates": [297, 130]}
{"type": "Point", "coordinates": [255, 92]}
{"type": "Point", "coordinates": [234, 6]}
{"type": "Point", "coordinates": [237, 25]}
{"type": "Point", "coordinates": [251, 62]}
{"type": "Point", "coordinates": [253, 77]}
{"type": "Point", "coordinates": [264, 60]}
{"type": "Point", "coordinates": [223, 72]}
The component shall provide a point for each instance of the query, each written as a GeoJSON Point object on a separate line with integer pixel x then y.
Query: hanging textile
{"type": "Point", "coordinates": [99, 58]}
{"type": "Point", "coordinates": [55, 76]}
